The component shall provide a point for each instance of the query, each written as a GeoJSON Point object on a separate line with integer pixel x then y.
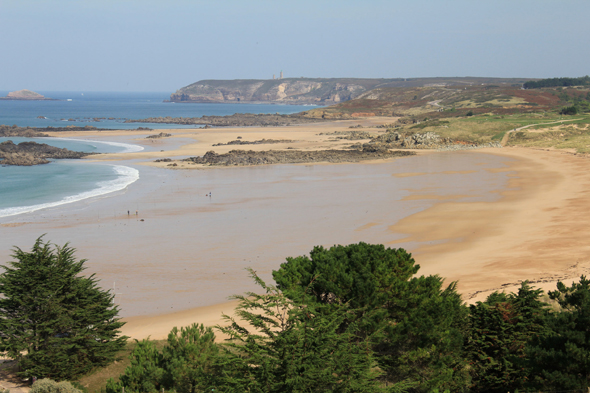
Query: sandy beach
{"type": "Point", "coordinates": [489, 218]}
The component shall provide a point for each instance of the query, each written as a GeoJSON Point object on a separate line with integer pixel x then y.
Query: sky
{"type": "Point", "coordinates": [146, 45]}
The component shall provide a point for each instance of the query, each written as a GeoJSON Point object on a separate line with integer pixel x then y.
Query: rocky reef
{"type": "Point", "coordinates": [26, 132]}
{"type": "Point", "coordinates": [249, 157]}
{"type": "Point", "coordinates": [158, 136]}
{"type": "Point", "coordinates": [235, 120]}
{"type": "Point", "coordinates": [259, 142]}
{"type": "Point", "coordinates": [32, 153]}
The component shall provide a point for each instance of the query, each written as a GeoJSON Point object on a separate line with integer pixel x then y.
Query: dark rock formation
{"type": "Point", "coordinates": [160, 135]}
{"type": "Point", "coordinates": [392, 140]}
{"type": "Point", "coordinates": [32, 153]}
{"type": "Point", "coordinates": [260, 142]}
{"type": "Point", "coordinates": [235, 120]}
{"type": "Point", "coordinates": [26, 132]}
{"type": "Point", "coordinates": [243, 157]}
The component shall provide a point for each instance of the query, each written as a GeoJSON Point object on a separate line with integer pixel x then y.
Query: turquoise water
{"type": "Point", "coordinates": [114, 108]}
{"type": "Point", "coordinates": [28, 189]}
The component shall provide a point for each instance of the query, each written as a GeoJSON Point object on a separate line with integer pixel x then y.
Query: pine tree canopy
{"type": "Point", "coordinates": [55, 322]}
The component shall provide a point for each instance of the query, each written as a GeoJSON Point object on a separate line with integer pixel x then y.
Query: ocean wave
{"type": "Point", "coordinates": [125, 176]}
{"type": "Point", "coordinates": [129, 148]}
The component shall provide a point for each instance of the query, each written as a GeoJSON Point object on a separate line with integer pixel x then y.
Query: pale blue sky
{"type": "Point", "coordinates": [145, 45]}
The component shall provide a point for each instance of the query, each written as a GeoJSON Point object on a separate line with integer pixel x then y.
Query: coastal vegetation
{"type": "Point", "coordinates": [553, 82]}
{"type": "Point", "coordinates": [355, 318]}
{"type": "Point", "coordinates": [56, 323]}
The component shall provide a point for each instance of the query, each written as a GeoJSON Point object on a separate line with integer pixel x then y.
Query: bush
{"type": "Point", "coordinates": [47, 385]}
{"type": "Point", "coordinates": [470, 113]}
{"type": "Point", "coordinates": [569, 110]}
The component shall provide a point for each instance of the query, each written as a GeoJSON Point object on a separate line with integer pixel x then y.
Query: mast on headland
{"type": "Point", "coordinates": [281, 77]}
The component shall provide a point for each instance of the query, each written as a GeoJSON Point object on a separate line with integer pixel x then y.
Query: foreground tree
{"type": "Point", "coordinates": [56, 323]}
{"type": "Point", "coordinates": [283, 345]}
{"type": "Point", "coordinates": [560, 359]}
{"type": "Point", "coordinates": [500, 328]}
{"type": "Point", "coordinates": [419, 324]}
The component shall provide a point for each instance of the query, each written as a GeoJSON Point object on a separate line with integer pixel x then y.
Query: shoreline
{"type": "Point", "coordinates": [503, 248]}
{"type": "Point", "coordinates": [527, 233]}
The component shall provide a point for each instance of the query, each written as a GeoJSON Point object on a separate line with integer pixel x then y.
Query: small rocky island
{"type": "Point", "coordinates": [32, 153]}
{"type": "Point", "coordinates": [25, 95]}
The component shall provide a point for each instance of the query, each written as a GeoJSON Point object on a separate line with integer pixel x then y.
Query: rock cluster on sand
{"type": "Point", "coordinates": [158, 136]}
{"type": "Point", "coordinates": [259, 142]}
{"type": "Point", "coordinates": [32, 153]}
{"type": "Point", "coordinates": [243, 157]}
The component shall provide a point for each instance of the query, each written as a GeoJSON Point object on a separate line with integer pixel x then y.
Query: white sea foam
{"type": "Point", "coordinates": [125, 177]}
{"type": "Point", "coordinates": [129, 148]}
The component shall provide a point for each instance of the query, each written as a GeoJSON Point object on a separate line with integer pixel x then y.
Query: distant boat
{"type": "Point", "coordinates": [69, 99]}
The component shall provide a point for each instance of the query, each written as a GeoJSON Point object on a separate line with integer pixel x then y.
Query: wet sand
{"type": "Point", "coordinates": [485, 218]}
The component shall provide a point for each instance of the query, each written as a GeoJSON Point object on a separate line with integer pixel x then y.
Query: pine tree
{"type": "Point", "coordinates": [420, 324]}
{"type": "Point", "coordinates": [282, 345]}
{"type": "Point", "coordinates": [500, 328]}
{"type": "Point", "coordinates": [55, 322]}
{"type": "Point", "coordinates": [560, 359]}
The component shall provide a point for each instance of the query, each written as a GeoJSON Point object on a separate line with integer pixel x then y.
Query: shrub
{"type": "Point", "coordinates": [47, 385]}
{"type": "Point", "coordinates": [569, 110]}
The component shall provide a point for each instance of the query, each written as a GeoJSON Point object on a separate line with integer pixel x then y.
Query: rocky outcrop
{"type": "Point", "coordinates": [243, 157]}
{"type": "Point", "coordinates": [32, 153]}
{"type": "Point", "coordinates": [427, 140]}
{"type": "Point", "coordinates": [26, 132]}
{"type": "Point", "coordinates": [158, 136]}
{"type": "Point", "coordinates": [235, 120]}
{"type": "Point", "coordinates": [259, 142]}
{"type": "Point", "coordinates": [289, 90]}
{"type": "Point", "coordinates": [25, 95]}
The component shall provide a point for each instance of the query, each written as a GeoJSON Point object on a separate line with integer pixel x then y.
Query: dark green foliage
{"type": "Point", "coordinates": [288, 346]}
{"type": "Point", "coordinates": [191, 359]}
{"type": "Point", "coordinates": [470, 113]}
{"type": "Point", "coordinates": [145, 374]}
{"type": "Point", "coordinates": [56, 323]}
{"type": "Point", "coordinates": [500, 329]}
{"type": "Point", "coordinates": [569, 110]}
{"type": "Point", "coordinates": [189, 363]}
{"type": "Point", "coordinates": [552, 82]}
{"type": "Point", "coordinates": [424, 334]}
{"type": "Point", "coordinates": [420, 325]}
{"type": "Point", "coordinates": [561, 359]}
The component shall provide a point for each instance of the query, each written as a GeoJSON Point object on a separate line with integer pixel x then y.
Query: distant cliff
{"type": "Point", "coordinates": [289, 90]}
{"type": "Point", "coordinates": [322, 91]}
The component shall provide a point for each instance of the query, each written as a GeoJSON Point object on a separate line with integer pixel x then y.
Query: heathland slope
{"type": "Point", "coordinates": [324, 91]}
{"type": "Point", "coordinates": [452, 100]}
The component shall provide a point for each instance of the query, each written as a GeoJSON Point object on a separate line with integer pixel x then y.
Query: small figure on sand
{"type": "Point", "coordinates": [136, 212]}
{"type": "Point", "coordinates": [127, 212]}
{"type": "Point", "coordinates": [209, 194]}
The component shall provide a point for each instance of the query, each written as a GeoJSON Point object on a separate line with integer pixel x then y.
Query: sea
{"type": "Point", "coordinates": [28, 189]}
